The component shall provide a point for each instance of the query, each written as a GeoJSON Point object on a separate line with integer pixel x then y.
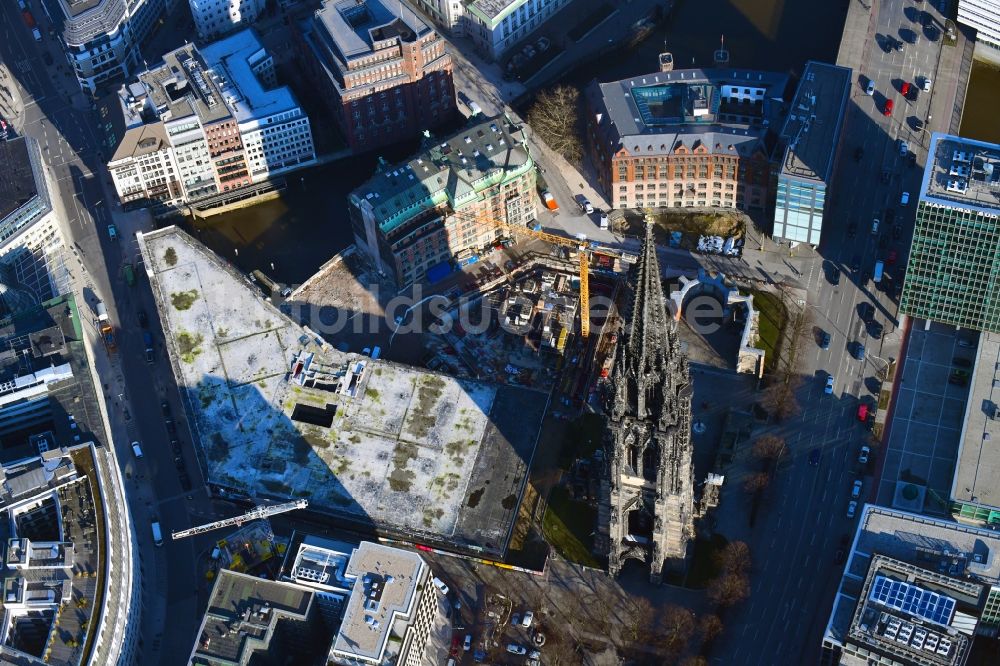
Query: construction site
{"type": "Point", "coordinates": [277, 412]}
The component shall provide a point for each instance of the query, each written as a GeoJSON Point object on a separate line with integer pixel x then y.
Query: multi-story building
{"type": "Point", "coordinates": [493, 25]}
{"type": "Point", "coordinates": [102, 37]}
{"type": "Point", "coordinates": [916, 591]}
{"type": "Point", "coordinates": [953, 269]}
{"type": "Point", "coordinates": [975, 494]}
{"type": "Point", "coordinates": [984, 16]}
{"type": "Point", "coordinates": [686, 138]}
{"type": "Point", "coordinates": [31, 238]}
{"type": "Point", "coordinates": [208, 121]}
{"type": "Point", "coordinates": [214, 18]}
{"type": "Point", "coordinates": [384, 72]}
{"type": "Point", "coordinates": [62, 504]}
{"type": "Point", "coordinates": [395, 616]}
{"type": "Point", "coordinates": [452, 199]}
{"type": "Point", "coordinates": [811, 136]}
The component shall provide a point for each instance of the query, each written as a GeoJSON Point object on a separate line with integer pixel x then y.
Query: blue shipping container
{"type": "Point", "coordinates": [438, 272]}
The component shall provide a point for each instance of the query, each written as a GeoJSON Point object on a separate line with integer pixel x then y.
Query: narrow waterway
{"type": "Point", "coordinates": [291, 237]}
{"type": "Point", "coordinates": [773, 35]}
{"type": "Point", "coordinates": [979, 117]}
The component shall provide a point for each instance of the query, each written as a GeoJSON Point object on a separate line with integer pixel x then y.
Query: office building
{"type": "Point", "coordinates": [686, 138]}
{"type": "Point", "coordinates": [984, 16]}
{"type": "Point", "coordinates": [446, 203]}
{"type": "Point", "coordinates": [495, 26]}
{"type": "Point", "coordinates": [205, 122]}
{"type": "Point", "coordinates": [975, 494]}
{"type": "Point", "coordinates": [62, 504]}
{"type": "Point", "coordinates": [31, 239]}
{"type": "Point", "coordinates": [385, 74]}
{"type": "Point", "coordinates": [102, 37]}
{"type": "Point", "coordinates": [215, 18]}
{"type": "Point", "coordinates": [811, 135]}
{"type": "Point", "coordinates": [252, 620]}
{"type": "Point", "coordinates": [953, 270]}
{"type": "Point", "coordinates": [395, 615]}
{"type": "Point", "coordinates": [915, 591]}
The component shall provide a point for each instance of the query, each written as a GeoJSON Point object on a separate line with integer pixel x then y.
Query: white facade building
{"type": "Point", "coordinates": [494, 25]}
{"type": "Point", "coordinates": [275, 130]}
{"type": "Point", "coordinates": [213, 18]}
{"type": "Point", "coordinates": [180, 118]}
{"type": "Point", "coordinates": [102, 38]}
{"type": "Point", "coordinates": [984, 16]}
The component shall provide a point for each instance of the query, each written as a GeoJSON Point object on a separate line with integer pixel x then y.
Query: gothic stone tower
{"type": "Point", "coordinates": [649, 475]}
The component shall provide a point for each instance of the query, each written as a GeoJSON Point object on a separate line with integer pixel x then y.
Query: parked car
{"type": "Point", "coordinates": [864, 453]}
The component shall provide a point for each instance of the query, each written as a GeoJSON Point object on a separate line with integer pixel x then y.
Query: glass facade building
{"type": "Point", "coordinates": [953, 272]}
{"type": "Point", "coordinates": [798, 210]}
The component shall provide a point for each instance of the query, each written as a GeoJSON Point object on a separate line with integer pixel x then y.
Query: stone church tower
{"type": "Point", "coordinates": [649, 478]}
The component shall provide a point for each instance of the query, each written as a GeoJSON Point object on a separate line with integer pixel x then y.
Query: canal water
{"type": "Point", "coordinates": [979, 117]}
{"type": "Point", "coordinates": [772, 35]}
{"type": "Point", "coordinates": [309, 223]}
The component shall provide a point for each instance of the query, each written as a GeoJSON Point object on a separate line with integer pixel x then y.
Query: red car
{"type": "Point", "coordinates": [905, 89]}
{"type": "Point", "coordinates": [888, 108]}
{"type": "Point", "coordinates": [892, 257]}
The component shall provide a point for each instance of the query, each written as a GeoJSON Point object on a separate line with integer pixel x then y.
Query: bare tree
{"type": "Point", "coordinates": [735, 558]}
{"type": "Point", "coordinates": [769, 447]}
{"type": "Point", "coordinates": [674, 629]}
{"type": "Point", "coordinates": [554, 117]}
{"type": "Point", "coordinates": [639, 613]}
{"type": "Point", "coordinates": [756, 482]}
{"type": "Point", "coordinates": [709, 626]}
{"type": "Point", "coordinates": [729, 589]}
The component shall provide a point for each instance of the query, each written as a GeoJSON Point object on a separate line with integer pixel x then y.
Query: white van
{"type": "Point", "coordinates": [136, 449]}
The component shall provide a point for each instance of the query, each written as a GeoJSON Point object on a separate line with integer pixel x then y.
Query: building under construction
{"type": "Point", "coordinates": [277, 413]}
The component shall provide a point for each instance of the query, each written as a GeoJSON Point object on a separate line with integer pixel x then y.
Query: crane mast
{"type": "Point", "coordinates": [255, 513]}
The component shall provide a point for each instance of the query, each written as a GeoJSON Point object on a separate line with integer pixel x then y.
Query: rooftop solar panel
{"type": "Point", "coordinates": [913, 600]}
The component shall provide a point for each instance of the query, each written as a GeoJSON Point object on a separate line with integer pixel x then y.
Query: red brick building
{"type": "Point", "coordinates": [385, 74]}
{"type": "Point", "coordinates": [686, 138]}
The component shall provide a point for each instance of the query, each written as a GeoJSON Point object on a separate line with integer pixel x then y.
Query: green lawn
{"type": "Point", "coordinates": [772, 320]}
{"type": "Point", "coordinates": [568, 525]}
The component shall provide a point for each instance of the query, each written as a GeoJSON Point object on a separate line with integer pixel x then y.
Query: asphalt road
{"type": "Point", "coordinates": [53, 111]}
{"type": "Point", "coordinates": [794, 543]}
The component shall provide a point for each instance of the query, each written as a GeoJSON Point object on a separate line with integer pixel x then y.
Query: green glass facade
{"type": "Point", "coordinates": [953, 274]}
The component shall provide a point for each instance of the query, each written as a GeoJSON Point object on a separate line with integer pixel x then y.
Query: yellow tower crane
{"type": "Point", "coordinates": [585, 248]}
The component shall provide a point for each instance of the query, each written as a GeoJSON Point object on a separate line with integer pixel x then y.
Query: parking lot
{"type": "Point", "coordinates": [927, 422]}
